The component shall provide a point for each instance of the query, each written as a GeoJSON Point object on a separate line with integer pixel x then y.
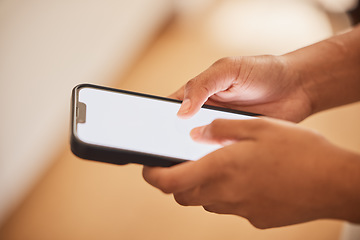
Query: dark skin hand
{"type": "Point", "coordinates": [247, 83]}
{"type": "Point", "coordinates": [272, 172]}
{"type": "Point", "coordinates": [271, 186]}
{"type": "Point", "coordinates": [290, 87]}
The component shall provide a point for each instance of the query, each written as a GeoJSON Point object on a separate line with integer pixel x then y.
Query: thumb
{"type": "Point", "coordinates": [225, 131]}
{"type": "Point", "coordinates": [218, 77]}
{"type": "Point", "coordinates": [196, 93]}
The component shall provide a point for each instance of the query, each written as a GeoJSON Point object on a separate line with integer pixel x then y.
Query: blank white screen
{"type": "Point", "coordinates": [143, 124]}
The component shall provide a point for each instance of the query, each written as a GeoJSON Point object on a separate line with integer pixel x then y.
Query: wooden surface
{"type": "Point", "coordinates": [79, 199]}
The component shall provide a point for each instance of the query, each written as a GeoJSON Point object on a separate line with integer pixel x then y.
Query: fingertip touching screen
{"type": "Point", "coordinates": [143, 124]}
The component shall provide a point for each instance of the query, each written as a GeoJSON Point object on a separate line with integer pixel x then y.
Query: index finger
{"type": "Point", "coordinates": [183, 176]}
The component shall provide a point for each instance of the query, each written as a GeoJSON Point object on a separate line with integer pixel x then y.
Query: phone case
{"type": "Point", "coordinates": [121, 156]}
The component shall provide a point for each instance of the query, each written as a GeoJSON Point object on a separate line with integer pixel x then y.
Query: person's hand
{"type": "Point", "coordinates": [271, 172]}
{"type": "Point", "coordinates": [261, 84]}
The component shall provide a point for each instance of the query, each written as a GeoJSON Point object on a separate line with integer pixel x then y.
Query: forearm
{"type": "Point", "coordinates": [346, 184]}
{"type": "Point", "coordinates": [329, 71]}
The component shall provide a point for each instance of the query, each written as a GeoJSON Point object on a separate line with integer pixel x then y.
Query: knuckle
{"type": "Point", "coordinates": [182, 199]}
{"type": "Point", "coordinates": [205, 90]}
{"type": "Point", "coordinates": [210, 209]}
{"type": "Point", "coordinates": [221, 61]}
{"type": "Point", "coordinates": [206, 208]}
{"type": "Point", "coordinates": [215, 127]}
{"type": "Point", "coordinates": [167, 186]}
{"type": "Point", "coordinates": [259, 124]}
{"type": "Point", "coordinates": [190, 84]}
{"type": "Point", "coordinates": [217, 123]}
{"type": "Point", "coordinates": [197, 86]}
{"type": "Point", "coordinates": [259, 224]}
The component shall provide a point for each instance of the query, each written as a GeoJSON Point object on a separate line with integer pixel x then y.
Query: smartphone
{"type": "Point", "coordinates": [120, 127]}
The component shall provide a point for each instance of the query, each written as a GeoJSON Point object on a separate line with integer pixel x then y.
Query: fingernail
{"type": "Point", "coordinates": [196, 133]}
{"type": "Point", "coordinates": [185, 107]}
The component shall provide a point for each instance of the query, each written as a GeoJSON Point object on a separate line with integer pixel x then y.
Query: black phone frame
{"type": "Point", "coordinates": [122, 156]}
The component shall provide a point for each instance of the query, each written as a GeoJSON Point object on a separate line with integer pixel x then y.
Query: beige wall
{"type": "Point", "coordinates": [46, 48]}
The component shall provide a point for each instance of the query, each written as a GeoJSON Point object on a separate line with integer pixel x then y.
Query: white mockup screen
{"type": "Point", "coordinates": [142, 124]}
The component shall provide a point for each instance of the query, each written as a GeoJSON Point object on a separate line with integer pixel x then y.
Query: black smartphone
{"type": "Point", "coordinates": [120, 127]}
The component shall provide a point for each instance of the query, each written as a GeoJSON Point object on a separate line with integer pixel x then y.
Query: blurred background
{"type": "Point", "coordinates": [150, 46]}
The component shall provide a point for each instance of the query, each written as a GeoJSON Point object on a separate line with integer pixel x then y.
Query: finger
{"type": "Point", "coordinates": [177, 178]}
{"type": "Point", "coordinates": [180, 177]}
{"type": "Point", "coordinates": [205, 194]}
{"type": "Point", "coordinates": [191, 197]}
{"type": "Point", "coordinates": [196, 93]}
{"type": "Point", "coordinates": [225, 208]}
{"type": "Point", "coordinates": [189, 175]}
{"type": "Point", "coordinates": [216, 187]}
{"type": "Point", "coordinates": [218, 77]}
{"type": "Point", "coordinates": [209, 193]}
{"type": "Point", "coordinates": [225, 131]}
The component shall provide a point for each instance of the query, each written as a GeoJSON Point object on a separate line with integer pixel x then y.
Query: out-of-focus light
{"type": "Point", "coordinates": [268, 27]}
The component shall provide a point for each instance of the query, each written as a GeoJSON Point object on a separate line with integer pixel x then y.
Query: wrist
{"type": "Point", "coordinates": [328, 71]}
{"type": "Point", "coordinates": [295, 72]}
{"type": "Point", "coordinates": [319, 71]}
